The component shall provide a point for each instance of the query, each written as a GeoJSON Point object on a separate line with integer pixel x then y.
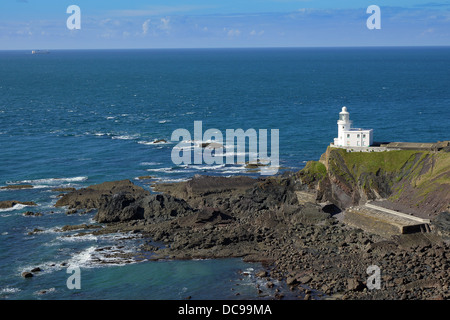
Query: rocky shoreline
{"type": "Point", "coordinates": [261, 220]}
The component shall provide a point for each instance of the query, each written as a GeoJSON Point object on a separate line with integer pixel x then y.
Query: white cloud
{"type": "Point", "coordinates": [145, 26]}
{"type": "Point", "coordinates": [233, 32]}
{"type": "Point", "coordinates": [254, 33]}
{"type": "Point", "coordinates": [165, 24]}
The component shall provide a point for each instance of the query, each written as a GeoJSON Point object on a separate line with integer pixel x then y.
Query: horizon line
{"type": "Point", "coordinates": [250, 47]}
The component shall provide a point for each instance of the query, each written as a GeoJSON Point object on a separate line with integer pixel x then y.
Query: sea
{"type": "Point", "coordinates": [80, 117]}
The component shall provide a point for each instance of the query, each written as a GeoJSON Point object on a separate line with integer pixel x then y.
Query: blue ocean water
{"type": "Point", "coordinates": [76, 118]}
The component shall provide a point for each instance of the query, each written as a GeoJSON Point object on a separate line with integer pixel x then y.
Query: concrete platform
{"type": "Point", "coordinates": [383, 221]}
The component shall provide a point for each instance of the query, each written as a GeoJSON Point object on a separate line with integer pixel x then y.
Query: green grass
{"type": "Point", "coordinates": [313, 171]}
{"type": "Point", "coordinates": [372, 162]}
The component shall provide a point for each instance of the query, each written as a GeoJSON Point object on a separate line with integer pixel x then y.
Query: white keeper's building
{"type": "Point", "coordinates": [351, 137]}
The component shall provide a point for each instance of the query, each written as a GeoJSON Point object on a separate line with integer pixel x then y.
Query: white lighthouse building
{"type": "Point", "coordinates": [351, 137]}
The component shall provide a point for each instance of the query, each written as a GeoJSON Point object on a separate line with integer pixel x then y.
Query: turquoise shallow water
{"type": "Point", "coordinates": [75, 118]}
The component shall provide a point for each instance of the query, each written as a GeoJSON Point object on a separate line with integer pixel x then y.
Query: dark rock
{"type": "Point", "coordinates": [291, 280]}
{"type": "Point", "coordinates": [145, 177]}
{"type": "Point", "coordinates": [18, 186]}
{"type": "Point", "coordinates": [31, 213]}
{"type": "Point", "coordinates": [27, 274]}
{"type": "Point", "coordinates": [354, 284]}
{"type": "Point", "coordinates": [37, 269]}
{"type": "Point", "coordinates": [442, 223]}
{"type": "Point", "coordinates": [64, 189]}
{"type": "Point", "coordinates": [213, 145]}
{"type": "Point", "coordinates": [95, 196]}
{"type": "Point", "coordinates": [126, 207]}
{"type": "Point", "coordinates": [11, 203]}
{"type": "Point", "coordinates": [261, 274]}
{"type": "Point", "coordinates": [305, 279]}
{"type": "Point", "coordinates": [35, 230]}
{"type": "Point", "coordinates": [77, 227]}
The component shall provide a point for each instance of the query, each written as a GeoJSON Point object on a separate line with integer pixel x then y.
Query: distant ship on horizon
{"type": "Point", "coordinates": [40, 51]}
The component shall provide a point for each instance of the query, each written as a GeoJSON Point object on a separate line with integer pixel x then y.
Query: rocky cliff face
{"type": "Point", "coordinates": [418, 180]}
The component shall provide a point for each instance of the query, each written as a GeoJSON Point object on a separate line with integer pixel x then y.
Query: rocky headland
{"type": "Point", "coordinates": [302, 242]}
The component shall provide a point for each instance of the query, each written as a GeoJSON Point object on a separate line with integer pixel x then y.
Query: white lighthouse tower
{"type": "Point", "coordinates": [344, 124]}
{"type": "Point", "coordinates": [351, 137]}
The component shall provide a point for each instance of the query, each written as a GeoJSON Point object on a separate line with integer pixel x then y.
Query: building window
{"type": "Point", "coordinates": [357, 135]}
{"type": "Point", "coordinates": [364, 136]}
{"type": "Point", "coordinates": [348, 135]}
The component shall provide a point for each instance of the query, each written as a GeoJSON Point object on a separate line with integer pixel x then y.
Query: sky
{"type": "Point", "coordinates": [108, 24]}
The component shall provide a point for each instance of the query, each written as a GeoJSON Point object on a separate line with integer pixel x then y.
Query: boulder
{"type": "Point", "coordinates": [354, 284]}
{"type": "Point", "coordinates": [96, 196]}
{"type": "Point", "coordinates": [126, 207]}
{"type": "Point", "coordinates": [11, 203]}
{"type": "Point", "coordinates": [291, 281]}
{"type": "Point", "coordinates": [31, 213]}
{"type": "Point", "coordinates": [261, 274]}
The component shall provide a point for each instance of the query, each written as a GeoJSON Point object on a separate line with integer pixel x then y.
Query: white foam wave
{"type": "Point", "coordinates": [208, 167]}
{"type": "Point", "coordinates": [173, 180]}
{"type": "Point", "coordinates": [8, 290]}
{"type": "Point", "coordinates": [149, 163]}
{"type": "Point", "coordinates": [101, 256]}
{"type": "Point", "coordinates": [125, 137]}
{"type": "Point", "coordinates": [77, 238]}
{"type": "Point", "coordinates": [167, 170]}
{"type": "Point", "coordinates": [82, 259]}
{"type": "Point", "coordinates": [45, 291]}
{"type": "Point", "coordinates": [49, 181]}
{"type": "Point", "coordinates": [147, 143]}
{"type": "Point", "coordinates": [15, 207]}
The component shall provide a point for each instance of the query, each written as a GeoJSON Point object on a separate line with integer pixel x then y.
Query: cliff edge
{"type": "Point", "coordinates": [414, 181]}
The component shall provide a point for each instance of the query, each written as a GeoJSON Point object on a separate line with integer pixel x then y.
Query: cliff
{"type": "Point", "coordinates": [411, 180]}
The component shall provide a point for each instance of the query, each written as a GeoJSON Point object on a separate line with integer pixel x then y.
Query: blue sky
{"type": "Point", "coordinates": [41, 24]}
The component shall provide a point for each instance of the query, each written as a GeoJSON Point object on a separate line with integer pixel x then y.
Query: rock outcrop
{"type": "Point", "coordinates": [126, 207]}
{"type": "Point", "coordinates": [11, 203]}
{"type": "Point", "coordinates": [96, 196]}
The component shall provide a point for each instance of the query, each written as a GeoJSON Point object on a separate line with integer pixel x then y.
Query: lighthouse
{"type": "Point", "coordinates": [349, 136]}
{"type": "Point", "coordinates": [344, 124]}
